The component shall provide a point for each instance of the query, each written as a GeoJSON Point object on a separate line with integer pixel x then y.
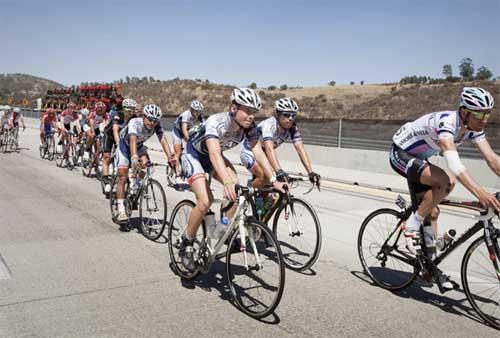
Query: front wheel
{"type": "Point", "coordinates": [255, 269]}
{"type": "Point", "coordinates": [298, 230]}
{"type": "Point", "coordinates": [153, 210]}
{"type": "Point", "coordinates": [382, 250]}
{"type": "Point", "coordinates": [481, 279]}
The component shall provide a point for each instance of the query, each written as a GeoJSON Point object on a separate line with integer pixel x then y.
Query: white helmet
{"type": "Point", "coordinates": [16, 110]}
{"type": "Point", "coordinates": [84, 111]}
{"type": "Point", "coordinates": [129, 103]}
{"type": "Point", "coordinates": [197, 105]}
{"type": "Point", "coordinates": [152, 112]}
{"type": "Point", "coordinates": [286, 104]}
{"type": "Point", "coordinates": [246, 97]}
{"type": "Point", "coordinates": [476, 98]}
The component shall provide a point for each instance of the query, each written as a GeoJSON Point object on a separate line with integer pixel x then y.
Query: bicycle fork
{"type": "Point", "coordinates": [293, 229]}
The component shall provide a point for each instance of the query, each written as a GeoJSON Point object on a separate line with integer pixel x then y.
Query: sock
{"type": "Point", "coordinates": [414, 222]}
{"type": "Point", "coordinates": [121, 205]}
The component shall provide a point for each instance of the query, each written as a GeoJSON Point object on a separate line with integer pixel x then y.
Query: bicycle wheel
{"type": "Point", "coordinates": [257, 286]}
{"type": "Point", "coordinates": [50, 149]}
{"type": "Point", "coordinates": [71, 159]}
{"type": "Point", "coordinates": [480, 279]}
{"type": "Point", "coordinates": [43, 150]}
{"type": "Point", "coordinates": [177, 225]}
{"type": "Point", "coordinates": [298, 230]}
{"type": "Point", "coordinates": [87, 163]}
{"type": "Point", "coordinates": [153, 210]}
{"type": "Point", "coordinates": [382, 250]}
{"type": "Point", "coordinates": [62, 158]}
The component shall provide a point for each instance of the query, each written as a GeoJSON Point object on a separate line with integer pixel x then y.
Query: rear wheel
{"type": "Point", "coordinates": [382, 250]}
{"type": "Point", "coordinates": [176, 227]}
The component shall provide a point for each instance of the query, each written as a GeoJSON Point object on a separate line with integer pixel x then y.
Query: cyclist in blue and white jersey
{"type": "Point", "coordinates": [275, 131]}
{"type": "Point", "coordinates": [182, 128]}
{"type": "Point", "coordinates": [442, 132]}
{"type": "Point", "coordinates": [204, 154]}
{"type": "Point", "coordinates": [132, 151]}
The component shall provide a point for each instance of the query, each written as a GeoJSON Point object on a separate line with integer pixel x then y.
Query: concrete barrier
{"type": "Point", "coordinates": [355, 166]}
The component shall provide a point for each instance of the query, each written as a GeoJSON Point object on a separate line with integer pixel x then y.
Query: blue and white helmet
{"type": "Point", "coordinates": [85, 112]}
{"type": "Point", "coordinates": [152, 112]}
{"type": "Point", "coordinates": [286, 104]}
{"type": "Point", "coordinates": [197, 106]}
{"type": "Point", "coordinates": [476, 98]}
{"type": "Point", "coordinates": [246, 97]}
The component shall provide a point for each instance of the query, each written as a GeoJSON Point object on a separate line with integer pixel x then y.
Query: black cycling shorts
{"type": "Point", "coordinates": [408, 166]}
{"type": "Point", "coordinates": [109, 141]}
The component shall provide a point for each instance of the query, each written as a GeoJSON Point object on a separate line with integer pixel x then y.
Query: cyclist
{"type": "Point", "coordinates": [70, 121]}
{"type": "Point", "coordinates": [183, 125]}
{"type": "Point", "coordinates": [94, 120]}
{"type": "Point", "coordinates": [442, 132]}
{"type": "Point", "coordinates": [119, 119]}
{"type": "Point", "coordinates": [204, 154]}
{"type": "Point", "coordinates": [132, 151]}
{"type": "Point", "coordinates": [17, 117]}
{"type": "Point", "coordinates": [4, 124]}
{"type": "Point", "coordinates": [48, 122]}
{"type": "Point", "coordinates": [274, 131]}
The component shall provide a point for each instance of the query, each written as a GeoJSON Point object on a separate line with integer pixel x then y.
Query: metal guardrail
{"type": "Point", "coordinates": [338, 140]}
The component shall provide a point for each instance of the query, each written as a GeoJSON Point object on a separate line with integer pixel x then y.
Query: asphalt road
{"type": "Point", "coordinates": [67, 271]}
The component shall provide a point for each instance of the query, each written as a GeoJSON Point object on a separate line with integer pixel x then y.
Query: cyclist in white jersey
{"type": "Point", "coordinates": [132, 152]}
{"type": "Point", "coordinates": [274, 132]}
{"type": "Point", "coordinates": [442, 132]}
{"type": "Point", "coordinates": [204, 154]}
{"type": "Point", "coordinates": [183, 126]}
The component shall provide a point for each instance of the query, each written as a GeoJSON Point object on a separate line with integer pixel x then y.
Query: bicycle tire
{"type": "Point", "coordinates": [42, 149]}
{"type": "Point", "coordinates": [146, 193]}
{"type": "Point", "coordinates": [382, 275]}
{"type": "Point", "coordinates": [472, 282]}
{"type": "Point", "coordinates": [290, 248]}
{"type": "Point", "coordinates": [271, 259]}
{"type": "Point", "coordinates": [87, 164]}
{"type": "Point", "coordinates": [176, 227]}
{"type": "Point", "coordinates": [50, 149]}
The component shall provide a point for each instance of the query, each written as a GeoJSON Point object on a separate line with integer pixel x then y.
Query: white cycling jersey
{"type": "Point", "coordinates": [421, 137]}
{"type": "Point", "coordinates": [270, 131]}
{"type": "Point", "coordinates": [219, 126]}
{"type": "Point", "coordinates": [188, 118]}
{"type": "Point", "coordinates": [136, 127]}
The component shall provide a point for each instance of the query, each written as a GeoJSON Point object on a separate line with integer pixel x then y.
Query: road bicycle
{"type": "Point", "coordinates": [48, 147]}
{"type": "Point", "coordinates": [388, 263]}
{"type": "Point", "coordinates": [254, 262]}
{"type": "Point", "coordinates": [69, 156]}
{"type": "Point", "coordinates": [148, 196]}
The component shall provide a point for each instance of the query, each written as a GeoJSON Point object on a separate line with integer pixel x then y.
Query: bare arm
{"type": "Point", "coordinates": [185, 131]}
{"type": "Point", "coordinates": [304, 158]}
{"type": "Point", "coordinates": [116, 133]}
{"type": "Point", "coordinates": [132, 141]}
{"type": "Point", "coordinates": [166, 147]}
{"type": "Point", "coordinates": [489, 155]}
{"type": "Point", "coordinates": [271, 154]}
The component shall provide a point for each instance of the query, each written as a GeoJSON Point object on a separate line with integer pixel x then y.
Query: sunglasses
{"type": "Point", "coordinates": [482, 115]}
{"type": "Point", "coordinates": [152, 119]}
{"type": "Point", "coordinates": [289, 115]}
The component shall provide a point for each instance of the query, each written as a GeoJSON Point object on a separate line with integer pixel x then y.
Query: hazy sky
{"type": "Point", "coordinates": [307, 43]}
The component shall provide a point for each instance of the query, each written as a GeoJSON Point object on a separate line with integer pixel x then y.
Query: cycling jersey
{"type": "Point", "coordinates": [97, 118]}
{"type": "Point", "coordinates": [420, 138]}
{"type": "Point", "coordinates": [218, 126]}
{"type": "Point", "coordinates": [69, 117]}
{"type": "Point", "coordinates": [270, 131]}
{"type": "Point", "coordinates": [117, 118]}
{"type": "Point", "coordinates": [16, 117]}
{"type": "Point", "coordinates": [188, 118]}
{"type": "Point", "coordinates": [136, 127]}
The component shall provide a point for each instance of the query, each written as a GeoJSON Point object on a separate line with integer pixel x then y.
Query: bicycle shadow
{"type": "Point", "coordinates": [216, 279]}
{"type": "Point", "coordinates": [416, 291]}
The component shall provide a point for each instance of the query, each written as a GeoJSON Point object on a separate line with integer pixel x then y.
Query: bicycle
{"type": "Point", "coordinates": [152, 212]}
{"type": "Point", "coordinates": [295, 225]}
{"type": "Point", "coordinates": [47, 148]}
{"type": "Point", "coordinates": [69, 154]}
{"type": "Point", "coordinates": [380, 249]}
{"type": "Point", "coordinates": [252, 255]}
{"type": "Point", "coordinates": [94, 159]}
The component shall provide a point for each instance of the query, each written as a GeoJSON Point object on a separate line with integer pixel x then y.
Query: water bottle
{"type": "Point", "coordinates": [210, 223]}
{"type": "Point", "coordinates": [221, 226]}
{"type": "Point", "coordinates": [443, 241]}
{"type": "Point", "coordinates": [259, 205]}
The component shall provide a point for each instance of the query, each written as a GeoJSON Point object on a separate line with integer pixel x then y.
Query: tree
{"type": "Point", "coordinates": [362, 82]}
{"type": "Point", "coordinates": [127, 79]}
{"type": "Point", "coordinates": [447, 71]}
{"type": "Point", "coordinates": [352, 83]}
{"type": "Point", "coordinates": [332, 83]}
{"type": "Point", "coordinates": [483, 73]}
{"type": "Point", "coordinates": [271, 87]}
{"type": "Point", "coordinates": [283, 87]}
{"type": "Point", "coordinates": [151, 79]}
{"type": "Point", "coordinates": [253, 85]}
{"type": "Point", "coordinates": [466, 69]}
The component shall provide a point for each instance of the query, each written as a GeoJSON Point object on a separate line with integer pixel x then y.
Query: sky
{"type": "Point", "coordinates": [298, 43]}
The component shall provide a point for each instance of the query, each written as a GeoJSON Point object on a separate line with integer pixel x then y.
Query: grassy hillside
{"type": "Point", "coordinates": [21, 86]}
